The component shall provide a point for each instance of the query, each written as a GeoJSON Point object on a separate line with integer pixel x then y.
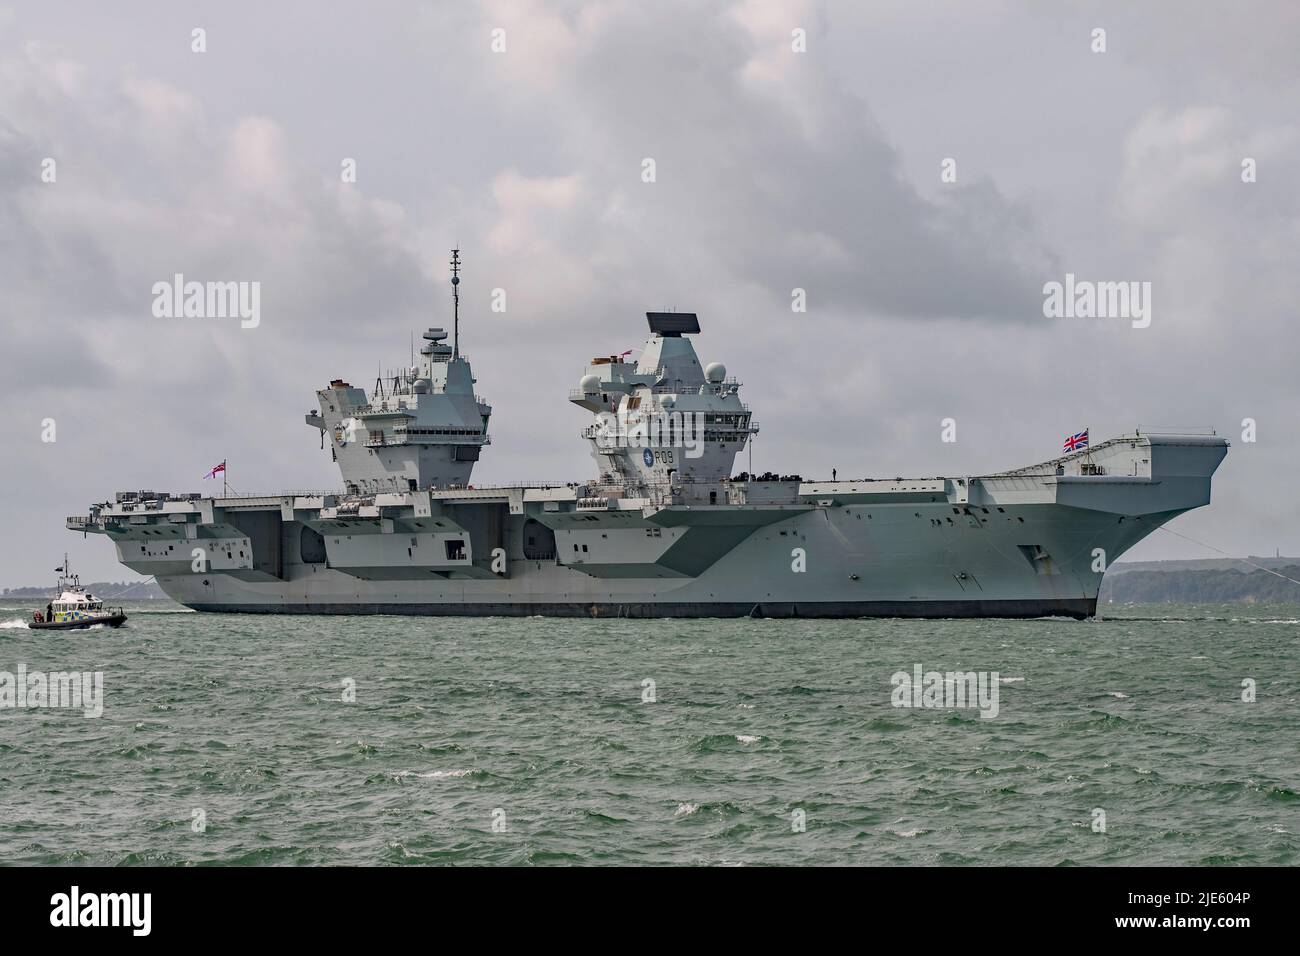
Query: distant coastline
{"type": "Point", "coordinates": [108, 590]}
{"type": "Point", "coordinates": [1213, 581]}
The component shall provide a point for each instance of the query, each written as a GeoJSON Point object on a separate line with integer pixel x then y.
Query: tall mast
{"type": "Point", "coordinates": [455, 295]}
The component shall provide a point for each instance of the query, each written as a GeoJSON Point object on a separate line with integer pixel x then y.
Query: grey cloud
{"type": "Point", "coordinates": [838, 218]}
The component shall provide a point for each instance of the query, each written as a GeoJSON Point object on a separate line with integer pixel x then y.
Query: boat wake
{"type": "Point", "coordinates": [16, 622]}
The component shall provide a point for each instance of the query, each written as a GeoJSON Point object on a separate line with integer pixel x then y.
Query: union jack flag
{"type": "Point", "coordinates": [1075, 442]}
{"type": "Point", "coordinates": [215, 471]}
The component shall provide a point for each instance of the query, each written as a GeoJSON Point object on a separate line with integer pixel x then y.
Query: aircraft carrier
{"type": "Point", "coordinates": [664, 529]}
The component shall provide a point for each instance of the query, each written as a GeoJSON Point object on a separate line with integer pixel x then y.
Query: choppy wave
{"type": "Point", "coordinates": [462, 732]}
{"type": "Point", "coordinates": [908, 834]}
{"type": "Point", "coordinates": [401, 775]}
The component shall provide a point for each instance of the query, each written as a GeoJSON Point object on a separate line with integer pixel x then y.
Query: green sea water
{"type": "Point", "coordinates": [226, 739]}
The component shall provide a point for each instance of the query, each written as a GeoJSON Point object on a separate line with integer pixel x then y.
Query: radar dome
{"type": "Point", "coordinates": [590, 383]}
{"type": "Point", "coordinates": [715, 372]}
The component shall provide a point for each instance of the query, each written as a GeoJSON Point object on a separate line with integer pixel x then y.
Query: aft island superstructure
{"type": "Point", "coordinates": [662, 530]}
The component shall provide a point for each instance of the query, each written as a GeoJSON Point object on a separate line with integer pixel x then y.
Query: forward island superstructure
{"type": "Point", "coordinates": [662, 530]}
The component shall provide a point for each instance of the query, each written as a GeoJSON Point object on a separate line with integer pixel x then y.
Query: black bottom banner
{"type": "Point", "coordinates": [335, 905]}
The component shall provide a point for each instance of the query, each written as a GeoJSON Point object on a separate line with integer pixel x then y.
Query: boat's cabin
{"type": "Point", "coordinates": [70, 601]}
{"type": "Point", "coordinates": [78, 605]}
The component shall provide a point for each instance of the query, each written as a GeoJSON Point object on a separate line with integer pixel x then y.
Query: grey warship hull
{"type": "Point", "coordinates": [663, 531]}
{"type": "Point", "coordinates": [1028, 543]}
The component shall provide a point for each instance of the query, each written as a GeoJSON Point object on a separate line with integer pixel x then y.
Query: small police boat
{"type": "Point", "coordinates": [74, 607]}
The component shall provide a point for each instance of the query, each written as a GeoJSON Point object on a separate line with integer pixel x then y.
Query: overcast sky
{"type": "Point", "coordinates": [774, 170]}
